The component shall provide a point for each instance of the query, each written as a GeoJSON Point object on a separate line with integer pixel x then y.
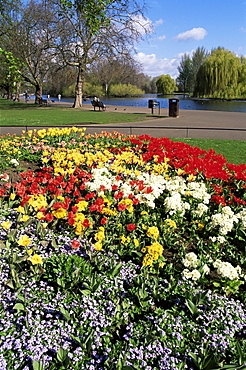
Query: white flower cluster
{"type": "Point", "coordinates": [200, 210]}
{"type": "Point", "coordinates": [220, 239]}
{"type": "Point", "coordinates": [198, 190]}
{"type": "Point", "coordinates": [226, 270]}
{"type": "Point", "coordinates": [225, 220]}
{"type": "Point", "coordinates": [191, 275]}
{"type": "Point", "coordinates": [242, 216]}
{"type": "Point", "coordinates": [190, 260]}
{"type": "Point", "coordinates": [175, 204]}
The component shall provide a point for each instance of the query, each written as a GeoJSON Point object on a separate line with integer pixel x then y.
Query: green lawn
{"type": "Point", "coordinates": [22, 114]}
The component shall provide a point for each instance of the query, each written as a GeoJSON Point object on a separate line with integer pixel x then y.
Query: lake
{"type": "Point", "coordinates": [184, 103]}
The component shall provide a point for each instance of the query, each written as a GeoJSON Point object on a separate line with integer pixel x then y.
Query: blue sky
{"type": "Point", "coordinates": [182, 26]}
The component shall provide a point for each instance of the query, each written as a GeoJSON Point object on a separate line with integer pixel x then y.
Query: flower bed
{"type": "Point", "coordinates": [120, 252]}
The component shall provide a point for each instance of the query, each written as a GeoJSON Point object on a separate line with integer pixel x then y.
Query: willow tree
{"type": "Point", "coordinates": [90, 30]}
{"type": "Point", "coordinates": [165, 84]}
{"type": "Point", "coordinates": [218, 76]}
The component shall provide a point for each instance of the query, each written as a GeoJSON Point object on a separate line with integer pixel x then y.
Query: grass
{"type": "Point", "coordinates": [22, 114]}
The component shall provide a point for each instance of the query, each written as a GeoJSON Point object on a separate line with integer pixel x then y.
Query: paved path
{"type": "Point", "coordinates": [190, 124]}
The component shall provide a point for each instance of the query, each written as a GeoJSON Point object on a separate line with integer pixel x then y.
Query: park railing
{"type": "Point", "coordinates": [156, 131]}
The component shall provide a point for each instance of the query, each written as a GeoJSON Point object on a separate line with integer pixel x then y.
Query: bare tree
{"type": "Point", "coordinates": [90, 30]}
{"type": "Point", "coordinates": [29, 39]}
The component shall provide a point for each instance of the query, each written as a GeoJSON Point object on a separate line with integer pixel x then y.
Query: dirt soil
{"type": "Point", "coordinates": [14, 173]}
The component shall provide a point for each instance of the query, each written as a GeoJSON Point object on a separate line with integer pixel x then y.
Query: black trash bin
{"type": "Point", "coordinates": [173, 107]}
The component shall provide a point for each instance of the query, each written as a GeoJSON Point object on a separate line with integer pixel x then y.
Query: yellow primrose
{"type": "Point", "coordinates": [170, 223]}
{"type": "Point", "coordinates": [153, 232]}
{"type": "Point", "coordinates": [60, 213]}
{"type": "Point", "coordinates": [125, 240]}
{"type": "Point", "coordinates": [148, 260]}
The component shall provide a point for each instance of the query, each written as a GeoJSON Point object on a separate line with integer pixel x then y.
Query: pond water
{"type": "Point", "coordinates": [184, 103]}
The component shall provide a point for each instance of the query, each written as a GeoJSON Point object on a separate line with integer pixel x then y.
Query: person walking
{"type": "Point", "coordinates": [59, 97]}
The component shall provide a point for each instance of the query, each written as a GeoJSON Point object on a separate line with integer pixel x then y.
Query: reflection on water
{"type": "Point", "coordinates": [184, 103]}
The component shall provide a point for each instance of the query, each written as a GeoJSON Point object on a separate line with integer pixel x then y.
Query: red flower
{"type": "Point", "coordinates": [122, 206]}
{"type": "Point", "coordinates": [118, 195]}
{"type": "Point", "coordinates": [49, 217]}
{"type": "Point", "coordinates": [75, 244]}
{"type": "Point", "coordinates": [86, 223]}
{"type": "Point", "coordinates": [131, 227]}
{"type": "Point", "coordinates": [103, 221]}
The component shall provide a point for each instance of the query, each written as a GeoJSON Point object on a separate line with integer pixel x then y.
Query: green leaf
{"type": "Point", "coordinates": [19, 307]}
{"type": "Point", "coordinates": [192, 307]}
{"type": "Point", "coordinates": [37, 365]}
{"type": "Point", "coordinates": [61, 355]}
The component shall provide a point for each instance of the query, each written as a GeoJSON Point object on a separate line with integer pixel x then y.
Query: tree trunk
{"type": "Point", "coordinates": [79, 89]}
{"type": "Point", "coordinates": [38, 93]}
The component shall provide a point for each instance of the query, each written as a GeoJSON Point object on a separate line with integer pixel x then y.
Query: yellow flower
{"type": "Point", "coordinates": [20, 209]}
{"type": "Point", "coordinates": [136, 242]}
{"type": "Point", "coordinates": [148, 260]}
{"type": "Point", "coordinates": [6, 225]}
{"type": "Point", "coordinates": [200, 225]}
{"type": "Point", "coordinates": [24, 241]}
{"type": "Point", "coordinates": [125, 240]}
{"type": "Point", "coordinates": [143, 213]}
{"type": "Point", "coordinates": [153, 232]}
{"type": "Point", "coordinates": [98, 246]}
{"type": "Point", "coordinates": [12, 196]}
{"type": "Point", "coordinates": [170, 223]}
{"type": "Point", "coordinates": [29, 251]}
{"type": "Point", "coordinates": [60, 213]}
{"type": "Point", "coordinates": [100, 235]}
{"type": "Point", "coordinates": [191, 178]}
{"type": "Point", "coordinates": [36, 259]}
{"type": "Point", "coordinates": [24, 218]}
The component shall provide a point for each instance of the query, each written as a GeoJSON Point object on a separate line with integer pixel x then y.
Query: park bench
{"type": "Point", "coordinates": [42, 101]}
{"type": "Point", "coordinates": [98, 104]}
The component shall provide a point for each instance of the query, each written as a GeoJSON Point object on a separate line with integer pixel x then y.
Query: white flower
{"type": "Point", "coordinates": [195, 275]}
{"type": "Point", "coordinates": [200, 210]}
{"type": "Point", "coordinates": [190, 260]}
{"type": "Point", "coordinates": [14, 162]}
{"type": "Point", "coordinates": [205, 269]}
{"type": "Point", "coordinates": [226, 270]}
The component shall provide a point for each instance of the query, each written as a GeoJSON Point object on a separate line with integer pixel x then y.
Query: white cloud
{"type": "Point", "coordinates": [196, 34]}
{"type": "Point", "coordinates": [163, 37]}
{"type": "Point", "coordinates": [153, 66]}
{"type": "Point", "coordinates": [143, 25]}
{"type": "Point", "coordinates": [157, 23]}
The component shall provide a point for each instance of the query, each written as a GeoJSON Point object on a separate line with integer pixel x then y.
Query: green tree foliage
{"type": "Point", "coordinates": [221, 76]}
{"type": "Point", "coordinates": [9, 72]}
{"type": "Point", "coordinates": [165, 84]}
{"type": "Point", "coordinates": [122, 90]}
{"type": "Point", "coordinates": [185, 77]}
